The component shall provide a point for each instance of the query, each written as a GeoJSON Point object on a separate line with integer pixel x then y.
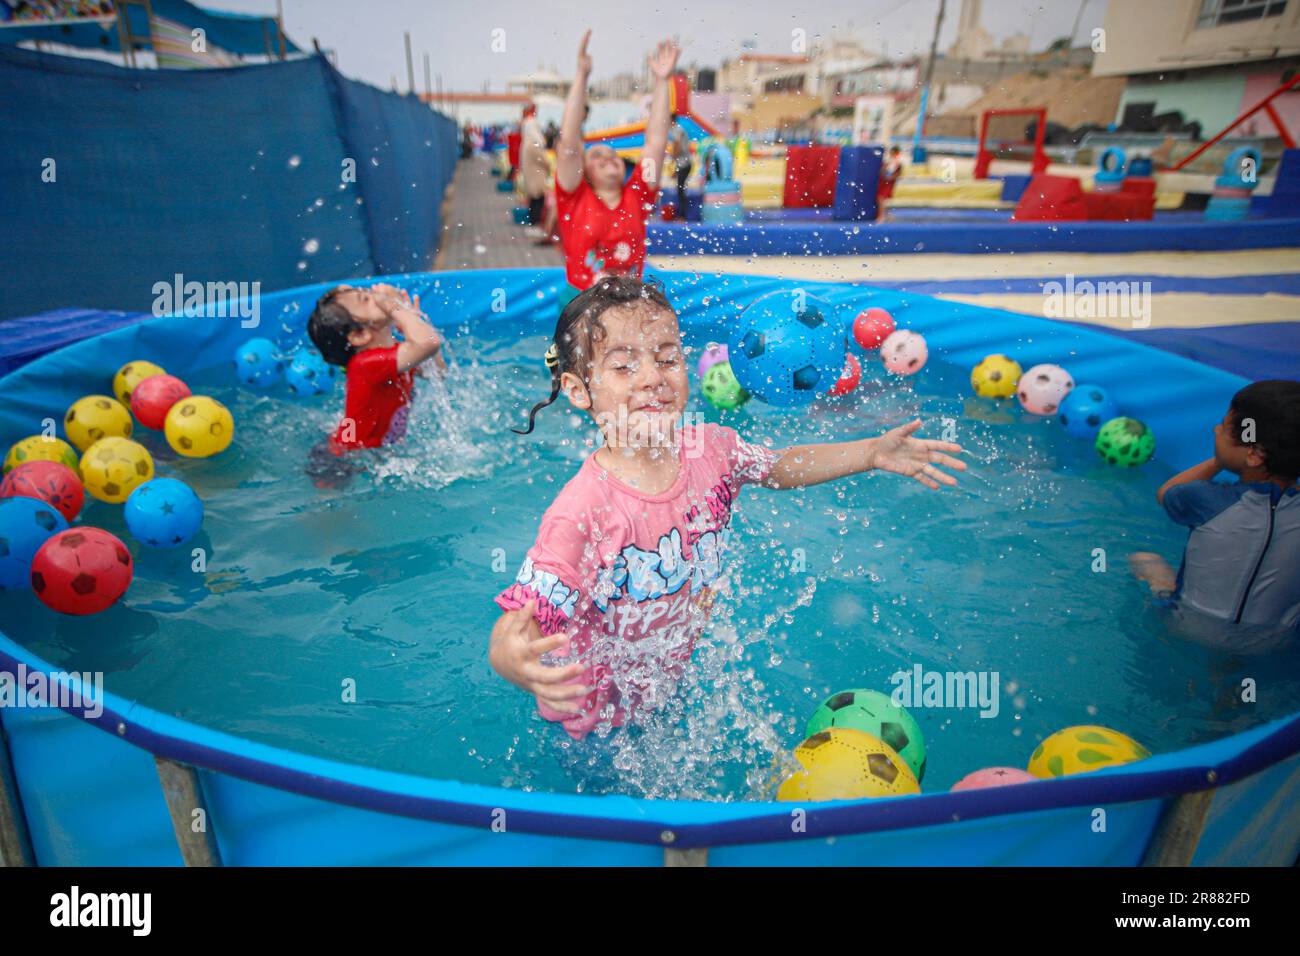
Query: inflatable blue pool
{"type": "Point", "coordinates": [122, 786]}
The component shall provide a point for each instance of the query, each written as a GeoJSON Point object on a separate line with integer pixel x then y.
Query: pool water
{"type": "Point", "coordinates": [386, 587]}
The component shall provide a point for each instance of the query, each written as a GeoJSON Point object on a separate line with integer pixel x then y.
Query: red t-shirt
{"type": "Point", "coordinates": [598, 239]}
{"type": "Point", "coordinates": [377, 399]}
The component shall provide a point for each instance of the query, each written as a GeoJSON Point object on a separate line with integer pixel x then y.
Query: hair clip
{"type": "Point", "coordinates": [552, 356]}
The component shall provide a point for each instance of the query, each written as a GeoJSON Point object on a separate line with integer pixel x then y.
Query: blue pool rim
{"type": "Point", "coordinates": [683, 824]}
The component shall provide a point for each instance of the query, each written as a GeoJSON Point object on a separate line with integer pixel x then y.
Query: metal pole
{"type": "Point", "coordinates": [918, 151]}
{"type": "Point", "coordinates": [15, 841]}
{"type": "Point", "coordinates": [279, 25]}
{"type": "Point", "coordinates": [1180, 829]}
{"type": "Point", "coordinates": [674, 858]}
{"type": "Point", "coordinates": [428, 84]}
{"type": "Point", "coordinates": [180, 786]}
{"type": "Point", "coordinates": [410, 65]}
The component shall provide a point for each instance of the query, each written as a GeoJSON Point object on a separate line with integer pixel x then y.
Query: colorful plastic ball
{"type": "Point", "coordinates": [786, 348]}
{"type": "Point", "coordinates": [721, 388]}
{"type": "Point", "coordinates": [1083, 748]}
{"type": "Point", "coordinates": [850, 377]}
{"type": "Point", "coordinates": [163, 513]}
{"type": "Point", "coordinates": [1042, 389]}
{"type": "Point", "coordinates": [904, 352]}
{"type": "Point", "coordinates": [199, 427]}
{"type": "Point", "coordinates": [1085, 410]}
{"type": "Point", "coordinates": [710, 357]}
{"type": "Point", "coordinates": [1126, 442]}
{"type": "Point", "coordinates": [94, 417]}
{"type": "Point", "coordinates": [257, 363]}
{"type": "Point", "coordinates": [993, 777]}
{"type": "Point", "coordinates": [154, 397]}
{"type": "Point", "coordinates": [25, 525]}
{"type": "Point", "coordinates": [50, 481]}
{"type": "Point", "coordinates": [995, 377]}
{"type": "Point", "coordinates": [112, 468]}
{"type": "Point", "coordinates": [130, 375]}
{"type": "Point", "coordinates": [872, 327]}
{"type": "Point", "coordinates": [845, 764]}
{"type": "Point", "coordinates": [873, 713]}
{"type": "Point", "coordinates": [308, 373]}
{"type": "Point", "coordinates": [41, 448]}
{"type": "Point", "coordinates": [81, 571]}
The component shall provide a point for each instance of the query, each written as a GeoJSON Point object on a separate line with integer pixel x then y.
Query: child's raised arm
{"type": "Point", "coordinates": [568, 147]}
{"type": "Point", "coordinates": [895, 451]}
{"type": "Point", "coordinates": [662, 63]}
{"type": "Point", "coordinates": [1205, 471]}
{"type": "Point", "coordinates": [420, 340]}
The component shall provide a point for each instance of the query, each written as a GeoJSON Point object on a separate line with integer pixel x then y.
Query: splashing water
{"type": "Point", "coordinates": [386, 585]}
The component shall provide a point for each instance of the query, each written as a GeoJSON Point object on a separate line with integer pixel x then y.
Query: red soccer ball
{"type": "Point", "coordinates": [52, 482]}
{"type": "Point", "coordinates": [850, 377]}
{"type": "Point", "coordinates": [81, 571]}
{"type": "Point", "coordinates": [151, 402]}
{"type": "Point", "coordinates": [870, 328]}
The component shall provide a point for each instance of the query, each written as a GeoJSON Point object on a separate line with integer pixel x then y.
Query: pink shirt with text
{"type": "Point", "coordinates": [629, 576]}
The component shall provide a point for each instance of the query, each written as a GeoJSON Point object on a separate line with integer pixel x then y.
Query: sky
{"type": "Point", "coordinates": [458, 34]}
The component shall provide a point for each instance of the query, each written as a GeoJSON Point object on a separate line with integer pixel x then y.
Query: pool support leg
{"type": "Point", "coordinates": [1179, 831]}
{"type": "Point", "coordinates": [697, 857]}
{"type": "Point", "coordinates": [15, 841]}
{"type": "Point", "coordinates": [180, 786]}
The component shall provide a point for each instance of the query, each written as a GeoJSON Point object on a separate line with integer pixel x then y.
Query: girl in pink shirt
{"type": "Point", "coordinates": [623, 571]}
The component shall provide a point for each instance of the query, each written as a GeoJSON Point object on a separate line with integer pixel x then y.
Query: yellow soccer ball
{"type": "Point", "coordinates": [1083, 748]}
{"type": "Point", "coordinates": [112, 468]}
{"type": "Point", "coordinates": [995, 377]}
{"type": "Point", "coordinates": [844, 764]}
{"type": "Point", "coordinates": [199, 427]}
{"type": "Point", "coordinates": [95, 417]}
{"type": "Point", "coordinates": [40, 448]}
{"type": "Point", "coordinates": [130, 375]}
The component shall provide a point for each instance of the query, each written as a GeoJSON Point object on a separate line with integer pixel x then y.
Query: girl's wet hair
{"type": "Point", "coordinates": [329, 327]}
{"type": "Point", "coordinates": [580, 328]}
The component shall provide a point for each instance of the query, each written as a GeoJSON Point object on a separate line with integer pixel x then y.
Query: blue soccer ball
{"type": "Point", "coordinates": [308, 373]}
{"type": "Point", "coordinates": [787, 348]}
{"type": "Point", "coordinates": [257, 363]}
{"type": "Point", "coordinates": [1085, 410]}
{"type": "Point", "coordinates": [25, 525]}
{"type": "Point", "coordinates": [163, 513]}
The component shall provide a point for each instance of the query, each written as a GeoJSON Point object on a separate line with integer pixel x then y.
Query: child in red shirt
{"type": "Point", "coordinates": [353, 328]}
{"type": "Point", "coordinates": [602, 218]}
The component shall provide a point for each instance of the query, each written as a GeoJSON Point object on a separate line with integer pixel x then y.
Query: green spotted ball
{"type": "Point", "coordinates": [874, 713]}
{"type": "Point", "coordinates": [1126, 442]}
{"type": "Point", "coordinates": [721, 388]}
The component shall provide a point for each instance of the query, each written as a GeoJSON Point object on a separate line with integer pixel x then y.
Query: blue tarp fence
{"type": "Point", "coordinates": [115, 180]}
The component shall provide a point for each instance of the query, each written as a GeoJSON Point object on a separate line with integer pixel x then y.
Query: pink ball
{"type": "Point", "coordinates": [993, 777]}
{"type": "Point", "coordinates": [850, 377]}
{"type": "Point", "coordinates": [713, 355]}
{"type": "Point", "coordinates": [1043, 388]}
{"type": "Point", "coordinates": [904, 352]}
{"type": "Point", "coordinates": [872, 327]}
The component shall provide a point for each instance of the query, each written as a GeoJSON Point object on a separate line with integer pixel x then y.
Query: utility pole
{"type": "Point", "coordinates": [410, 65]}
{"type": "Point", "coordinates": [918, 151]}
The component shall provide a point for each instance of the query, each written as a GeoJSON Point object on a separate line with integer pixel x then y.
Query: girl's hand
{"type": "Point", "coordinates": [664, 59]}
{"type": "Point", "coordinates": [515, 652]}
{"type": "Point", "coordinates": [898, 452]}
{"type": "Point", "coordinates": [584, 58]}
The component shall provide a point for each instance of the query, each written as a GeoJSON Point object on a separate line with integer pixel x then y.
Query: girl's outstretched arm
{"type": "Point", "coordinates": [895, 451]}
{"type": "Point", "coordinates": [568, 147]}
{"type": "Point", "coordinates": [662, 63]}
